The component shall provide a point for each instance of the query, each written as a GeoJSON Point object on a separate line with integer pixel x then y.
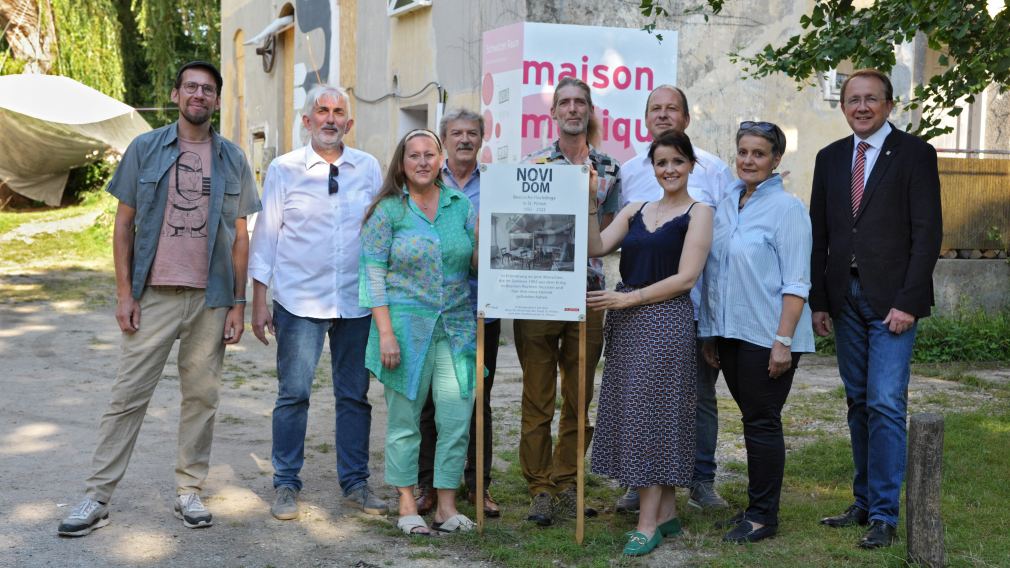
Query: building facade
{"type": "Point", "coordinates": [407, 61]}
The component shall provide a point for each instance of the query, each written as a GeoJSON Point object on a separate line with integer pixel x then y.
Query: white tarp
{"type": "Point", "coordinates": [50, 124]}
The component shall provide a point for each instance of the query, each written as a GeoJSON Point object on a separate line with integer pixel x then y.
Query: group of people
{"type": "Point", "coordinates": [716, 273]}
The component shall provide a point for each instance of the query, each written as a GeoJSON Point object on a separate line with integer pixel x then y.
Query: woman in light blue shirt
{"type": "Point", "coordinates": [754, 311]}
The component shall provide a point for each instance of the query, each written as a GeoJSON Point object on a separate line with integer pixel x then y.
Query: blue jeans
{"type": "Point", "coordinates": [299, 345]}
{"type": "Point", "coordinates": [707, 422]}
{"type": "Point", "coordinates": [875, 366]}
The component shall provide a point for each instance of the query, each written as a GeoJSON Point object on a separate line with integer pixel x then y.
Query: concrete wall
{"type": "Point", "coordinates": [971, 284]}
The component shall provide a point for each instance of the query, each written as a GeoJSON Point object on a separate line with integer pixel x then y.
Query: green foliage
{"type": "Point", "coordinates": [971, 336]}
{"type": "Point", "coordinates": [87, 180]}
{"type": "Point", "coordinates": [174, 32]}
{"type": "Point", "coordinates": [972, 45]}
{"type": "Point", "coordinates": [967, 336]}
{"type": "Point", "coordinates": [87, 34]}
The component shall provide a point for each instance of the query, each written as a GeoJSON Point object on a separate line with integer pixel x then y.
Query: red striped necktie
{"type": "Point", "coordinates": [858, 171]}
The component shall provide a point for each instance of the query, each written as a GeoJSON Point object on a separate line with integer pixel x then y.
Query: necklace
{"type": "Point", "coordinates": [426, 207]}
{"type": "Point", "coordinates": [658, 217]}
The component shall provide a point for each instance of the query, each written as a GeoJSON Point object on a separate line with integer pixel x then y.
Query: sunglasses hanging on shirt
{"type": "Point", "coordinates": [334, 184]}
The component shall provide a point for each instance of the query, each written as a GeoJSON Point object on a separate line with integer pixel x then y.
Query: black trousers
{"type": "Point", "coordinates": [429, 434]}
{"type": "Point", "coordinates": [760, 399]}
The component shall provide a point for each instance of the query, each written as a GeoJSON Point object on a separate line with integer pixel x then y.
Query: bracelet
{"type": "Point", "coordinates": [641, 296]}
{"type": "Point", "coordinates": [239, 301]}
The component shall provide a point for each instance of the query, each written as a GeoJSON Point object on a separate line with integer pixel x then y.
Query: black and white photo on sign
{"type": "Point", "coordinates": [533, 241]}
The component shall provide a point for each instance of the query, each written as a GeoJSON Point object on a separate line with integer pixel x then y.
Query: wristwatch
{"type": "Point", "coordinates": [787, 341]}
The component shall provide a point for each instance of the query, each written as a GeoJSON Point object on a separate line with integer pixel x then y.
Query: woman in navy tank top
{"type": "Point", "coordinates": [644, 433]}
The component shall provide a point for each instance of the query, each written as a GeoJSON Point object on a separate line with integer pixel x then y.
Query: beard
{"type": "Point", "coordinates": [325, 138]}
{"type": "Point", "coordinates": [197, 118]}
{"type": "Point", "coordinates": [573, 129]}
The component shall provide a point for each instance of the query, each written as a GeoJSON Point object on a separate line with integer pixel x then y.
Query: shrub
{"type": "Point", "coordinates": [969, 336]}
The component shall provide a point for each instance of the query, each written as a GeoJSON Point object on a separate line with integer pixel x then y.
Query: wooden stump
{"type": "Point", "coordinates": [922, 491]}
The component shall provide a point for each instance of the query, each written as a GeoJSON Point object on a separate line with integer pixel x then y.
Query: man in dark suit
{"type": "Point", "coordinates": [875, 212]}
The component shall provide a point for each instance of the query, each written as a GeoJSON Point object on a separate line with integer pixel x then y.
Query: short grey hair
{"type": "Point", "coordinates": [767, 130]}
{"type": "Point", "coordinates": [460, 114]}
{"type": "Point", "coordinates": [321, 90]}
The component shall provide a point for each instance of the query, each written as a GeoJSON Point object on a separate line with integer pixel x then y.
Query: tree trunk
{"type": "Point", "coordinates": [30, 33]}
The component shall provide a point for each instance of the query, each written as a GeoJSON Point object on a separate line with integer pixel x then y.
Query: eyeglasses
{"type": "Point", "coordinates": [334, 184]}
{"type": "Point", "coordinates": [190, 88]}
{"type": "Point", "coordinates": [869, 101]}
{"type": "Point", "coordinates": [762, 126]}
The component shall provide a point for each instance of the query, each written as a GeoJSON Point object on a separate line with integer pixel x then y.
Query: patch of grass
{"type": "Point", "coordinates": [11, 219]}
{"type": "Point", "coordinates": [969, 335]}
{"type": "Point", "coordinates": [424, 555]}
{"type": "Point", "coordinates": [60, 266]}
{"type": "Point", "coordinates": [817, 483]}
{"type": "Point", "coordinates": [323, 448]}
{"type": "Point", "coordinates": [230, 419]}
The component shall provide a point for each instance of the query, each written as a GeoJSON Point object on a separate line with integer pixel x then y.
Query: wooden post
{"type": "Point", "coordinates": [580, 480]}
{"type": "Point", "coordinates": [922, 492]}
{"type": "Point", "coordinates": [479, 402]}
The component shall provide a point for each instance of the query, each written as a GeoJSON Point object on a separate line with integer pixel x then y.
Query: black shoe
{"type": "Point", "coordinates": [852, 516]}
{"type": "Point", "coordinates": [880, 534]}
{"type": "Point", "coordinates": [744, 531]}
{"type": "Point", "coordinates": [730, 522]}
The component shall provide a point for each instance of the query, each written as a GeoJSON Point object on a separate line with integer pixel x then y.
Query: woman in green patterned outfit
{"type": "Point", "coordinates": [417, 248]}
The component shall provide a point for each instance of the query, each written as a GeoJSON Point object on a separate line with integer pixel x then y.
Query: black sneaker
{"type": "Point", "coordinates": [541, 510]}
{"type": "Point", "coordinates": [628, 503]}
{"type": "Point", "coordinates": [87, 516]}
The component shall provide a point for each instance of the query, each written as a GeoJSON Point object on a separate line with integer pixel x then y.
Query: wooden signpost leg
{"type": "Point", "coordinates": [479, 417]}
{"type": "Point", "coordinates": [580, 481]}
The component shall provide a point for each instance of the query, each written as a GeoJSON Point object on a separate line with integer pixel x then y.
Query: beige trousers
{"type": "Point", "coordinates": [166, 314]}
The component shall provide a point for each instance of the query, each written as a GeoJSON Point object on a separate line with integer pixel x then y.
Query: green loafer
{"type": "Point", "coordinates": [640, 545]}
{"type": "Point", "coordinates": [670, 528]}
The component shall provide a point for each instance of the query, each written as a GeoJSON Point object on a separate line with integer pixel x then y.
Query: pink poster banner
{"type": "Point", "coordinates": [523, 63]}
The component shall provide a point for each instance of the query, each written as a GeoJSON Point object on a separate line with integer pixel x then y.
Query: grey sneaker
{"type": "Point", "coordinates": [541, 509]}
{"type": "Point", "coordinates": [363, 498]}
{"type": "Point", "coordinates": [566, 504]}
{"type": "Point", "coordinates": [285, 507]}
{"type": "Point", "coordinates": [627, 503]}
{"type": "Point", "coordinates": [705, 497]}
{"type": "Point", "coordinates": [190, 509]}
{"type": "Point", "coordinates": [84, 518]}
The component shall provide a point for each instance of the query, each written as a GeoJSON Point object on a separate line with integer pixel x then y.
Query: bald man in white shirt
{"type": "Point", "coordinates": [666, 109]}
{"type": "Point", "coordinates": [305, 246]}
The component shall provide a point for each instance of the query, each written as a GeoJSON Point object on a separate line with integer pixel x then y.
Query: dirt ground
{"type": "Point", "coordinates": [59, 360]}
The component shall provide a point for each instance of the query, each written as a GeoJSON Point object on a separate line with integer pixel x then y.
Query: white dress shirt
{"type": "Point", "coordinates": [305, 244]}
{"type": "Point", "coordinates": [707, 183]}
{"type": "Point", "coordinates": [876, 142]}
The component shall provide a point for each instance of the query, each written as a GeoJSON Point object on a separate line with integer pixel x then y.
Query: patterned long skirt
{"type": "Point", "coordinates": [646, 417]}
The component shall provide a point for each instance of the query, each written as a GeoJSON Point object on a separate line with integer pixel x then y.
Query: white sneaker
{"type": "Point", "coordinates": [190, 509]}
{"type": "Point", "coordinates": [87, 516]}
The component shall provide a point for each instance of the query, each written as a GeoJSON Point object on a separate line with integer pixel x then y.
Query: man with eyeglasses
{"type": "Point", "coordinates": [305, 247]}
{"type": "Point", "coordinates": [180, 249]}
{"type": "Point", "coordinates": [666, 110]}
{"type": "Point", "coordinates": [877, 229]}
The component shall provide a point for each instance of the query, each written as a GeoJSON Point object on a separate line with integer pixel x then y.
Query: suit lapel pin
{"type": "Point", "coordinates": [887, 153]}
